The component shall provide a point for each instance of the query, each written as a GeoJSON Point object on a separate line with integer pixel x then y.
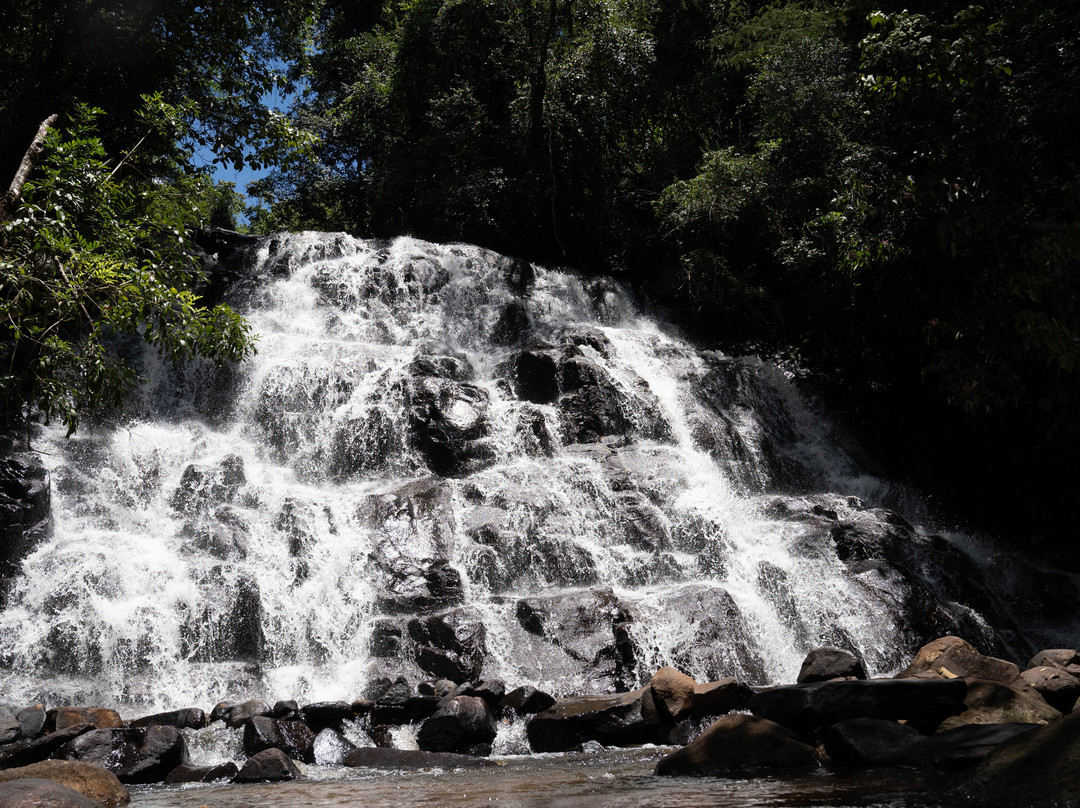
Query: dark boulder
{"type": "Point", "coordinates": [134, 755]}
{"type": "Point", "coordinates": [99, 717]}
{"type": "Point", "coordinates": [736, 743]}
{"type": "Point", "coordinates": [32, 792]}
{"type": "Point", "coordinates": [397, 704]}
{"type": "Point", "coordinates": [270, 765]}
{"type": "Point", "coordinates": [951, 659]}
{"type": "Point", "coordinates": [185, 773]}
{"type": "Point", "coordinates": [526, 700]}
{"type": "Point", "coordinates": [23, 753]}
{"type": "Point", "coordinates": [995, 703]}
{"type": "Point", "coordinates": [31, 721]}
{"type": "Point", "coordinates": [450, 645]}
{"type": "Point", "coordinates": [1041, 767]}
{"type": "Point", "coordinates": [863, 742]}
{"type": "Point", "coordinates": [673, 693]}
{"type": "Point", "coordinates": [617, 720]}
{"type": "Point", "coordinates": [460, 724]}
{"type": "Point", "coordinates": [535, 375]}
{"type": "Point", "coordinates": [10, 729]}
{"type": "Point", "coordinates": [447, 417]}
{"type": "Point", "coordinates": [188, 718]}
{"type": "Point", "coordinates": [287, 710]}
{"type": "Point", "coordinates": [205, 487]}
{"type": "Point", "coordinates": [961, 747]}
{"type": "Point", "coordinates": [822, 664]}
{"type": "Point", "coordinates": [1061, 657]}
{"type": "Point", "coordinates": [720, 697]}
{"type": "Point", "coordinates": [237, 715]}
{"type": "Point", "coordinates": [327, 715]}
{"type": "Point", "coordinates": [808, 707]}
{"type": "Point", "coordinates": [294, 738]}
{"type": "Point", "coordinates": [370, 757]}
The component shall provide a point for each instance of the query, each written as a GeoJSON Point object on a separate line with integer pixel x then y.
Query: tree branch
{"type": "Point", "coordinates": [11, 198]}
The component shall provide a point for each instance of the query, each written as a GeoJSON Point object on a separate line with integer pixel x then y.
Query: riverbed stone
{"type": "Point", "coordinates": [10, 729]}
{"type": "Point", "coordinates": [31, 721]}
{"type": "Point", "coordinates": [239, 714]}
{"type": "Point", "coordinates": [100, 785]}
{"type": "Point", "coordinates": [99, 717]}
{"type": "Point", "coordinates": [269, 765]}
{"type": "Point", "coordinates": [719, 697]}
{"type": "Point", "coordinates": [331, 748]}
{"type": "Point", "coordinates": [23, 753]}
{"type": "Point", "coordinates": [736, 743]}
{"type": "Point", "coordinates": [186, 718]}
{"type": "Point", "coordinates": [616, 720]}
{"type": "Point", "coordinates": [829, 662]}
{"type": "Point", "coordinates": [185, 773]}
{"type": "Point", "coordinates": [326, 715]}
{"type": "Point", "coordinates": [134, 754]}
{"type": "Point", "coordinates": [1062, 657]}
{"type": "Point", "coordinates": [32, 792]}
{"type": "Point", "coordinates": [526, 700]}
{"type": "Point", "coordinates": [1059, 688]}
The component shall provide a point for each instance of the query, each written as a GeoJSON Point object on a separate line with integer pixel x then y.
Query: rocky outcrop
{"type": "Point", "coordinates": [450, 645]}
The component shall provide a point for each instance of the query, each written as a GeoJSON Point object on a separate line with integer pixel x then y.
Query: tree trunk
{"type": "Point", "coordinates": [11, 198]}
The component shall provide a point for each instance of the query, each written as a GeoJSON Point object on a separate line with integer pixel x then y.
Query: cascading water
{"type": "Point", "coordinates": [443, 462]}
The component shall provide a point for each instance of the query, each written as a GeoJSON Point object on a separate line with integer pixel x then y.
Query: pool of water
{"type": "Point", "coordinates": [617, 777]}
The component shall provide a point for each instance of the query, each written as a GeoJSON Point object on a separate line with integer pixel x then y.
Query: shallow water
{"type": "Point", "coordinates": [616, 777]}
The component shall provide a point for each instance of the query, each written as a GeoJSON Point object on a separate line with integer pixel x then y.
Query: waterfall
{"type": "Point", "coordinates": [445, 462]}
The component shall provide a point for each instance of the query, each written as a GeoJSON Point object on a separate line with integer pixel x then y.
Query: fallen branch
{"type": "Point", "coordinates": [11, 198]}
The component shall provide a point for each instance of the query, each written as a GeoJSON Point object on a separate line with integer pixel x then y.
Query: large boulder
{"type": "Point", "coordinates": [398, 704]}
{"type": "Point", "coordinates": [294, 738]}
{"type": "Point", "coordinates": [450, 645]}
{"type": "Point", "coordinates": [31, 721]}
{"type": "Point", "coordinates": [331, 748]}
{"type": "Point", "coordinates": [10, 729]}
{"type": "Point", "coordinates": [719, 697]}
{"type": "Point", "coordinates": [460, 724]}
{"type": "Point", "coordinates": [961, 747]}
{"type": "Point", "coordinates": [23, 753]}
{"type": "Point", "coordinates": [809, 707]}
{"type": "Point", "coordinates": [270, 765]}
{"type": "Point", "coordinates": [326, 715]}
{"type": "Point", "coordinates": [33, 792]}
{"type": "Point", "coordinates": [822, 664]}
{"type": "Point", "coordinates": [951, 658]}
{"type": "Point", "coordinates": [995, 703]}
{"type": "Point", "coordinates": [1041, 767]}
{"type": "Point", "coordinates": [94, 782]}
{"type": "Point", "coordinates": [673, 693]}
{"type": "Point", "coordinates": [134, 755]}
{"type": "Point", "coordinates": [236, 715]}
{"type": "Point", "coordinates": [617, 720]}
{"type": "Point", "coordinates": [739, 742]}
{"type": "Point", "coordinates": [98, 717]}
{"type": "Point", "coordinates": [526, 700]}
{"type": "Point", "coordinates": [863, 742]}
{"type": "Point", "coordinates": [187, 718]}
{"type": "Point", "coordinates": [1059, 688]}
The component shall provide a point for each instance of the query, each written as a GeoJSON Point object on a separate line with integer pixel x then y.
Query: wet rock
{"type": "Point", "coordinates": [512, 325]}
{"type": "Point", "coordinates": [673, 693]}
{"type": "Point", "coordinates": [1061, 657]}
{"type": "Point", "coordinates": [526, 700]}
{"type": "Point", "coordinates": [206, 487]}
{"type": "Point", "coordinates": [739, 742]}
{"type": "Point", "coordinates": [450, 645]}
{"type": "Point", "coordinates": [331, 748]}
{"type": "Point", "coordinates": [385, 639]}
{"type": "Point", "coordinates": [327, 715]}
{"type": "Point", "coordinates": [1059, 689]}
{"type": "Point", "coordinates": [822, 664]}
{"type": "Point", "coordinates": [98, 717]}
{"type": "Point", "coordinates": [25, 511]}
{"type": "Point", "coordinates": [447, 418]}
{"type": "Point", "coordinates": [490, 690]}
{"type": "Point", "coordinates": [23, 753]}
{"type": "Point", "coordinates": [93, 782]}
{"type": "Point", "coordinates": [32, 792]}
{"type": "Point", "coordinates": [995, 703]}
{"type": "Point", "coordinates": [397, 704]}
{"type": "Point", "coordinates": [10, 729]}
{"type": "Point", "coordinates": [239, 714]}
{"type": "Point", "coordinates": [189, 718]}
{"type": "Point", "coordinates": [582, 625]}
{"type": "Point", "coordinates": [221, 710]}
{"type": "Point", "coordinates": [1041, 767]}
{"type": "Point", "coordinates": [535, 375]}
{"type": "Point", "coordinates": [294, 738]}
{"type": "Point", "coordinates": [720, 697]}
{"type": "Point", "coordinates": [223, 534]}
{"type": "Point", "coordinates": [134, 755]}
{"type": "Point", "coordinates": [236, 634]}
{"type": "Point", "coordinates": [868, 741]}
{"type": "Point", "coordinates": [379, 758]}
{"type": "Point", "coordinates": [31, 721]}
{"type": "Point", "coordinates": [287, 710]}
{"type": "Point", "coordinates": [808, 707]}
{"type": "Point", "coordinates": [185, 773]}
{"type": "Point", "coordinates": [270, 765]}
{"type": "Point", "coordinates": [411, 568]}
{"type": "Point", "coordinates": [460, 723]}
{"type": "Point", "coordinates": [617, 720]}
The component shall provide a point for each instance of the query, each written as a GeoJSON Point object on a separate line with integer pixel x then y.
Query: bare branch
{"type": "Point", "coordinates": [11, 198]}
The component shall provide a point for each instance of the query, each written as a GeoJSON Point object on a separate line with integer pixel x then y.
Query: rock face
{"type": "Point", "coordinates": [717, 698]}
{"type": "Point", "coordinates": [99, 785]}
{"type": "Point", "coordinates": [450, 645]}
{"type": "Point", "coordinates": [135, 755]}
{"type": "Point", "coordinates": [618, 720]}
{"type": "Point", "coordinates": [25, 501]}
{"type": "Point", "coordinates": [1041, 767]}
{"type": "Point", "coordinates": [739, 742]}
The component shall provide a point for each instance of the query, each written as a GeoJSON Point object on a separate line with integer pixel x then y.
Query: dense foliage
{"type": "Point", "coordinates": [95, 251]}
